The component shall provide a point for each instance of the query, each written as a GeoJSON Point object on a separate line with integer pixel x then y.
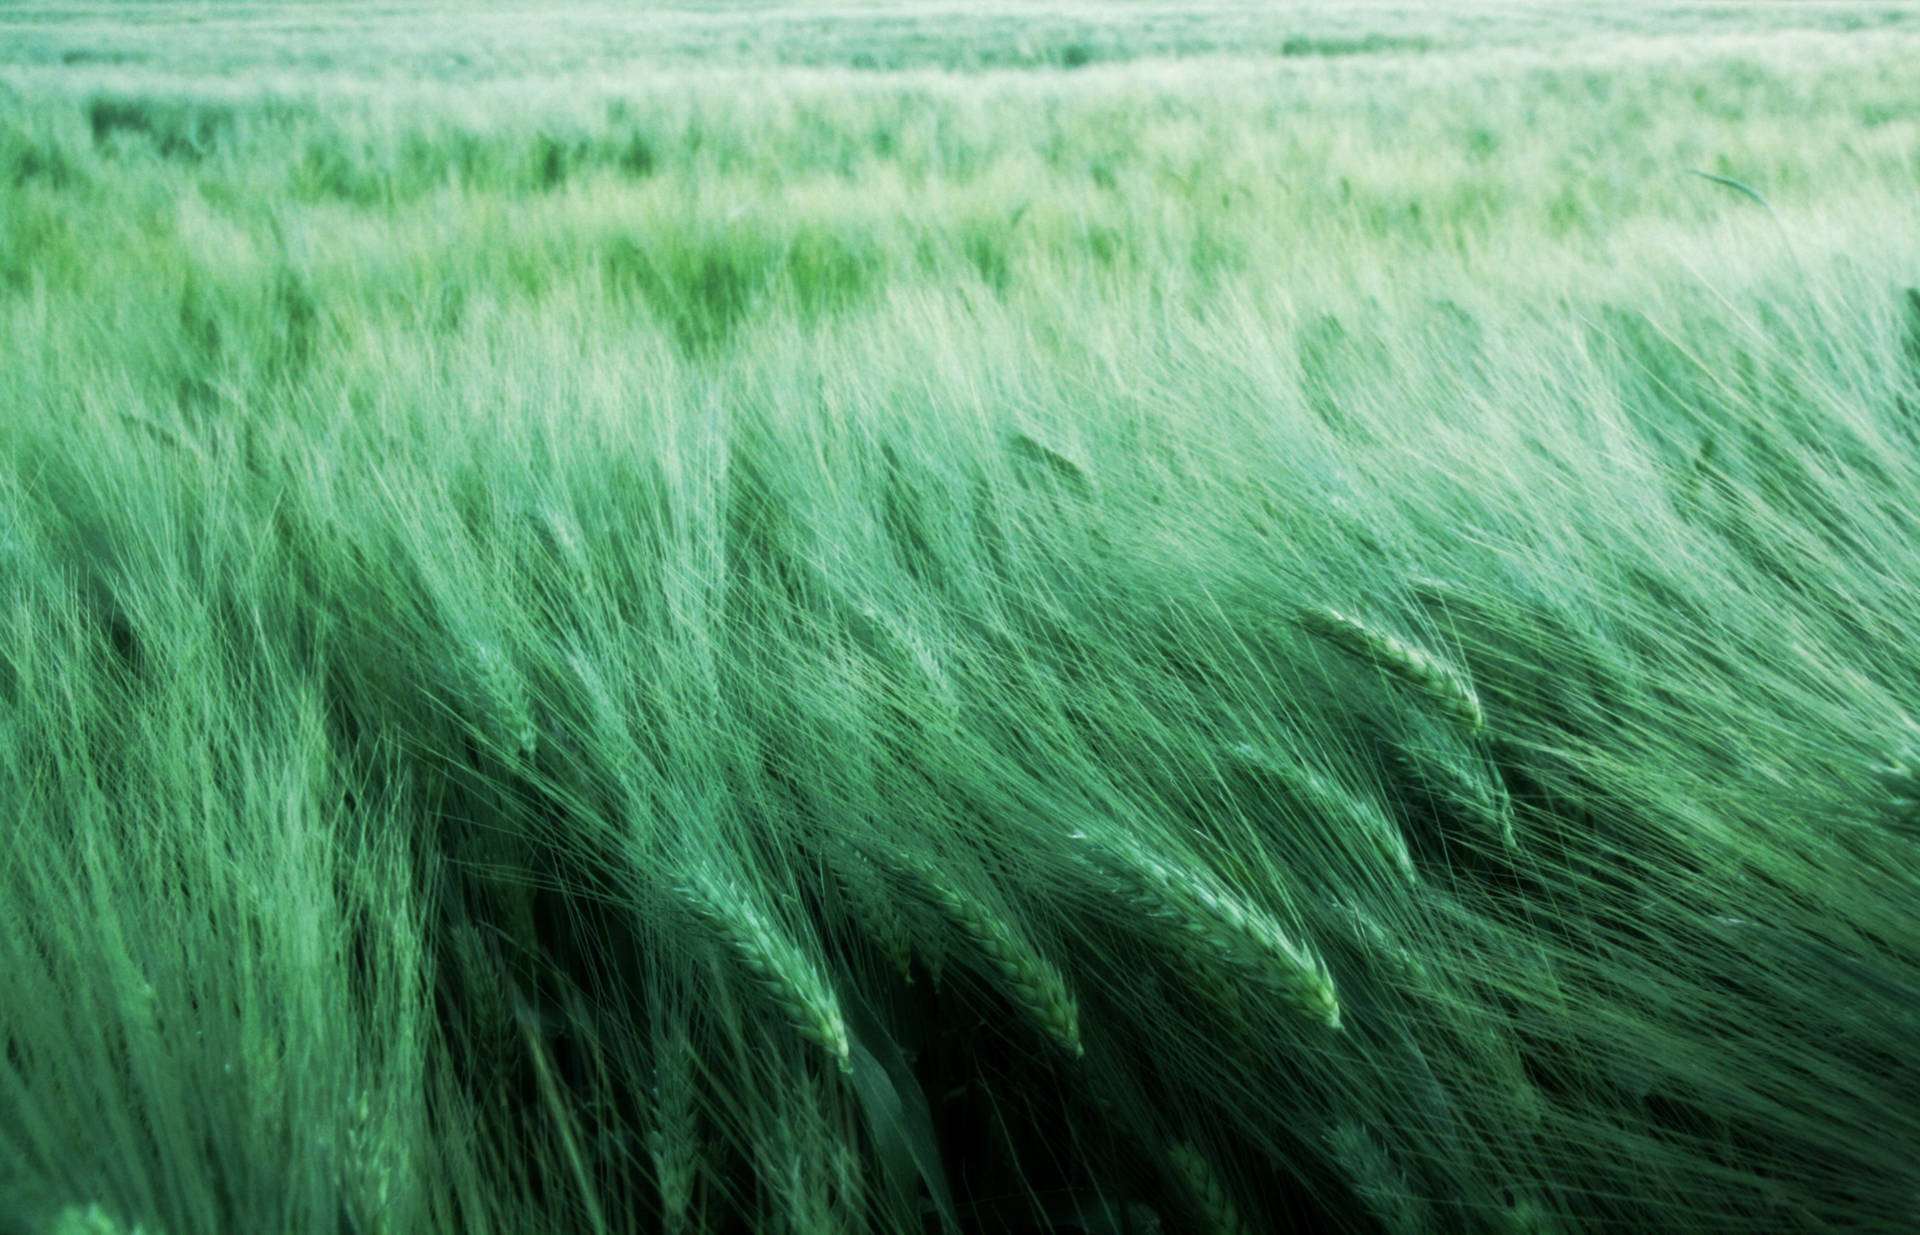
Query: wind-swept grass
{"type": "Point", "coordinates": [1312, 639]}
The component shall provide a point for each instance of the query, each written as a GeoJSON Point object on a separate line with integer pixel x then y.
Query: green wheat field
{"type": "Point", "coordinates": [1150, 618]}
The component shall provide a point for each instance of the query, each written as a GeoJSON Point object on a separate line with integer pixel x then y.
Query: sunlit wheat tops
{"type": "Point", "coordinates": [1218, 923]}
{"type": "Point", "coordinates": [771, 960]}
{"type": "Point", "coordinates": [1027, 975]}
{"type": "Point", "coordinates": [1422, 671]}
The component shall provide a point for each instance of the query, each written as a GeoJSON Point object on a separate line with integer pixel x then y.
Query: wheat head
{"type": "Point", "coordinates": [1206, 1189]}
{"type": "Point", "coordinates": [673, 1137]}
{"type": "Point", "coordinates": [1320, 796]}
{"type": "Point", "coordinates": [772, 961]}
{"type": "Point", "coordinates": [1377, 1179]}
{"type": "Point", "coordinates": [1223, 926]}
{"type": "Point", "coordinates": [1439, 682]}
{"type": "Point", "coordinates": [1014, 961]}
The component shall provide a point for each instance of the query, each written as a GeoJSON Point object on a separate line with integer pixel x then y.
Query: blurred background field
{"type": "Point", "coordinates": [885, 618]}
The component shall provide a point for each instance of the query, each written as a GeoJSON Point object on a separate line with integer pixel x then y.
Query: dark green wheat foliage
{"type": "Point", "coordinates": [857, 623]}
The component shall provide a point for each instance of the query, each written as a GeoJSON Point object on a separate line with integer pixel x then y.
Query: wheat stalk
{"type": "Point", "coordinates": [1418, 669]}
{"type": "Point", "coordinates": [772, 961]}
{"type": "Point", "coordinates": [1742, 187]}
{"type": "Point", "coordinates": [1226, 927]}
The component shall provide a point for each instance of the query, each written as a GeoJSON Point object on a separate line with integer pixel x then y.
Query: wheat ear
{"type": "Point", "coordinates": [1330, 802]}
{"type": "Point", "coordinates": [372, 1165]}
{"type": "Point", "coordinates": [1208, 914]}
{"type": "Point", "coordinates": [1377, 1179]}
{"type": "Point", "coordinates": [1207, 1190]}
{"type": "Point", "coordinates": [1016, 962]}
{"type": "Point", "coordinates": [1373, 938]}
{"type": "Point", "coordinates": [673, 1139]}
{"type": "Point", "coordinates": [793, 1151]}
{"type": "Point", "coordinates": [1420, 670]}
{"type": "Point", "coordinates": [1478, 798]}
{"type": "Point", "coordinates": [879, 914]}
{"type": "Point", "coordinates": [92, 1220]}
{"type": "Point", "coordinates": [508, 713]}
{"type": "Point", "coordinates": [1900, 777]}
{"type": "Point", "coordinates": [772, 961]}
